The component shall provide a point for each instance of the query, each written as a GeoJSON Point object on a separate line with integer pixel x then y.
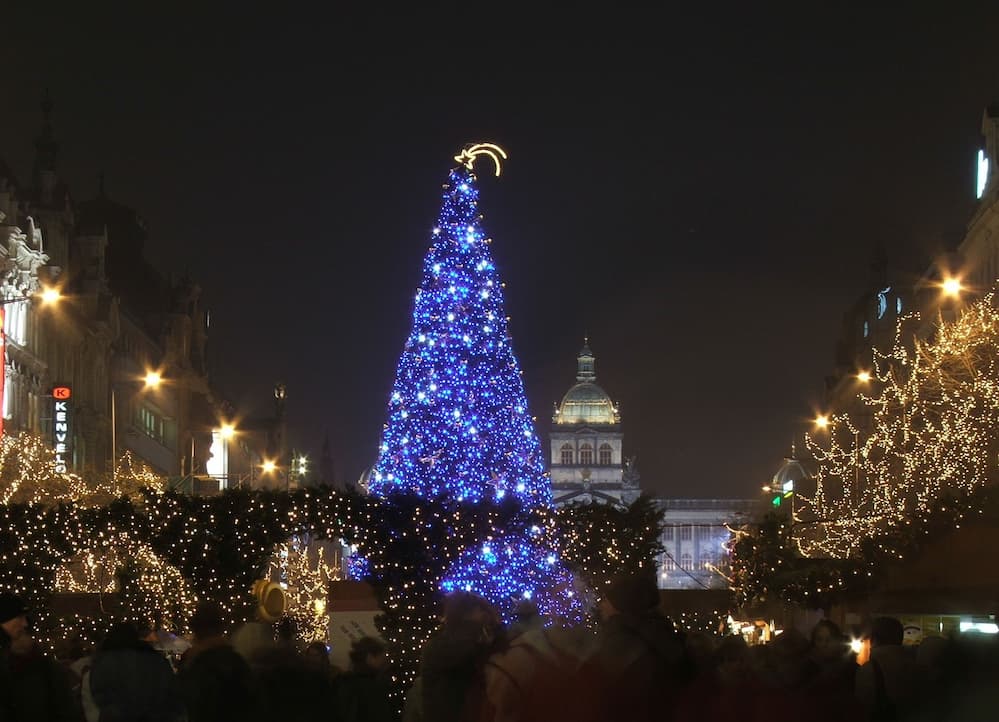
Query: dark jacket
{"type": "Point", "coordinates": [363, 696]}
{"type": "Point", "coordinates": [134, 683]}
{"type": "Point", "coordinates": [216, 684]}
{"type": "Point", "coordinates": [35, 688]}
{"type": "Point", "coordinates": [451, 670]}
{"type": "Point", "coordinates": [638, 667]}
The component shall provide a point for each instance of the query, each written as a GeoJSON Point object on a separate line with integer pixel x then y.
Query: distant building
{"type": "Point", "coordinates": [586, 444]}
{"type": "Point", "coordinates": [695, 540]}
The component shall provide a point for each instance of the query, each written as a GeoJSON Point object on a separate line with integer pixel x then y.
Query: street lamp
{"type": "Point", "coordinates": [151, 380]}
{"type": "Point", "coordinates": [952, 287]}
{"type": "Point", "coordinates": [864, 377]}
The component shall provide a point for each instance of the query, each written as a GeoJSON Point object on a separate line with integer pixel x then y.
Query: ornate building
{"type": "Point", "coordinates": [586, 444]}
{"type": "Point", "coordinates": [75, 372]}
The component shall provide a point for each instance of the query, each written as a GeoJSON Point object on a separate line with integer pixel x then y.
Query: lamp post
{"type": "Point", "coordinates": [151, 380]}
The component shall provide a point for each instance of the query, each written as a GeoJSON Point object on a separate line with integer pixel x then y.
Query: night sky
{"type": "Point", "coordinates": [701, 195]}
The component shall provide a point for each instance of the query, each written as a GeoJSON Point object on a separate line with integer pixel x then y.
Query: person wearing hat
{"type": "Point", "coordinates": [639, 663]}
{"type": "Point", "coordinates": [33, 686]}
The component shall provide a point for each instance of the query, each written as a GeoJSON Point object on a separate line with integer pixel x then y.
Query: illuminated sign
{"type": "Point", "coordinates": [61, 436]}
{"type": "Point", "coordinates": [983, 174]}
{"type": "Point", "coordinates": [3, 368]}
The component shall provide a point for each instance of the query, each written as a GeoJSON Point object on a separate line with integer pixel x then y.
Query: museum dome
{"type": "Point", "coordinates": [586, 403]}
{"type": "Point", "coordinates": [791, 470]}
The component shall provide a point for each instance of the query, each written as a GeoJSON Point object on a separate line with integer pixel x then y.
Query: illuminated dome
{"type": "Point", "coordinates": [586, 403]}
{"type": "Point", "coordinates": [791, 470]}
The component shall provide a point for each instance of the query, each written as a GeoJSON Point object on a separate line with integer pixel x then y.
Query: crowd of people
{"type": "Point", "coordinates": [634, 666]}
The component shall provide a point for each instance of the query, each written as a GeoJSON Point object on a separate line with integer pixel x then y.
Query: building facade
{"type": "Point", "coordinates": [696, 538]}
{"type": "Point", "coordinates": [586, 444]}
{"type": "Point", "coordinates": [79, 373]}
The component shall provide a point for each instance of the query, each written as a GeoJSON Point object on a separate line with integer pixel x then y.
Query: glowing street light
{"type": "Point", "coordinates": [268, 467]}
{"type": "Point", "coordinates": [952, 287]}
{"type": "Point", "coordinates": [227, 431]}
{"type": "Point", "coordinates": [822, 421]}
{"type": "Point", "coordinates": [50, 295]}
{"type": "Point", "coordinates": [152, 379]}
{"type": "Point", "coordinates": [864, 377]}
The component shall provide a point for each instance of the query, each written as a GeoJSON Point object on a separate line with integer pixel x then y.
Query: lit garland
{"type": "Point", "coordinates": [932, 431]}
{"type": "Point", "coordinates": [602, 540]}
{"type": "Point", "coordinates": [301, 567]}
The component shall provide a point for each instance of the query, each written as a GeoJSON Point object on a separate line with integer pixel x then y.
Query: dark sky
{"type": "Point", "coordinates": [701, 194]}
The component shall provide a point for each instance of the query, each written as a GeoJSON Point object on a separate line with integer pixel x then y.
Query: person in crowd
{"type": "Point", "coordinates": [215, 680]}
{"type": "Point", "coordinates": [363, 692]}
{"type": "Point", "coordinates": [129, 680]}
{"type": "Point", "coordinates": [639, 664]}
{"type": "Point", "coordinates": [888, 684]}
{"type": "Point", "coordinates": [451, 668]}
{"type": "Point", "coordinates": [412, 709]}
{"type": "Point", "coordinates": [536, 676]}
{"type": "Point", "coordinates": [526, 617]}
{"type": "Point", "coordinates": [317, 656]}
{"type": "Point", "coordinates": [832, 662]}
{"type": "Point", "coordinates": [33, 686]}
{"type": "Point", "coordinates": [79, 661]}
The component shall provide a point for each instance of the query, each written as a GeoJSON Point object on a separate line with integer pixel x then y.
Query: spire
{"type": "Point", "coordinates": [46, 147]}
{"type": "Point", "coordinates": [586, 363]}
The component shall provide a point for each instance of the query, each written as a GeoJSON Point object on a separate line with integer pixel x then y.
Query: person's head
{"type": "Point", "coordinates": [368, 654]}
{"type": "Point", "coordinates": [886, 632]}
{"type": "Point", "coordinates": [287, 629]}
{"type": "Point", "coordinates": [525, 610]}
{"type": "Point", "coordinates": [731, 659]}
{"type": "Point", "coordinates": [827, 640]}
{"type": "Point", "coordinates": [207, 621]}
{"type": "Point", "coordinates": [630, 595]}
{"type": "Point", "coordinates": [468, 607]}
{"type": "Point", "coordinates": [123, 635]}
{"type": "Point", "coordinates": [13, 617]}
{"type": "Point", "coordinates": [317, 654]}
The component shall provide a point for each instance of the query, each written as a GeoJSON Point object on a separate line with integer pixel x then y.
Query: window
{"type": "Point", "coordinates": [668, 533]}
{"type": "Point", "coordinates": [155, 426]}
{"type": "Point", "coordinates": [685, 533]}
{"type": "Point", "coordinates": [15, 322]}
{"type": "Point", "coordinates": [605, 455]}
{"type": "Point", "coordinates": [867, 329]}
{"type": "Point", "coordinates": [706, 561]}
{"type": "Point", "coordinates": [686, 562]}
{"type": "Point", "coordinates": [586, 455]}
{"type": "Point", "coordinates": [703, 532]}
{"type": "Point", "coordinates": [670, 564]}
{"type": "Point", "coordinates": [566, 454]}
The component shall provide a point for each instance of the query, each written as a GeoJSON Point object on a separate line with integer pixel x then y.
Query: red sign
{"type": "Point", "coordinates": [61, 392]}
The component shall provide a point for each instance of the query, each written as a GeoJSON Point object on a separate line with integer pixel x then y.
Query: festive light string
{"type": "Point", "coordinates": [932, 412]}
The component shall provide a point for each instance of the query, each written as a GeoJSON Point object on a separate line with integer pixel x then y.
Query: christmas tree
{"type": "Point", "coordinates": [458, 427]}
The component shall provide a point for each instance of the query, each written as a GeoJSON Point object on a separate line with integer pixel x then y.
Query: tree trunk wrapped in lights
{"type": "Point", "coordinates": [931, 408]}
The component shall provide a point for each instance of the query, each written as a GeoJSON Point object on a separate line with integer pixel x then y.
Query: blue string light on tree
{"type": "Point", "coordinates": [458, 423]}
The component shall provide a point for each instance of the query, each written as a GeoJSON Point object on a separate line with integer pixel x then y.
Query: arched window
{"type": "Point", "coordinates": [670, 564]}
{"type": "Point", "coordinates": [706, 561]}
{"type": "Point", "coordinates": [566, 454]}
{"type": "Point", "coordinates": [686, 562]}
{"type": "Point", "coordinates": [586, 455]}
{"type": "Point", "coordinates": [605, 455]}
